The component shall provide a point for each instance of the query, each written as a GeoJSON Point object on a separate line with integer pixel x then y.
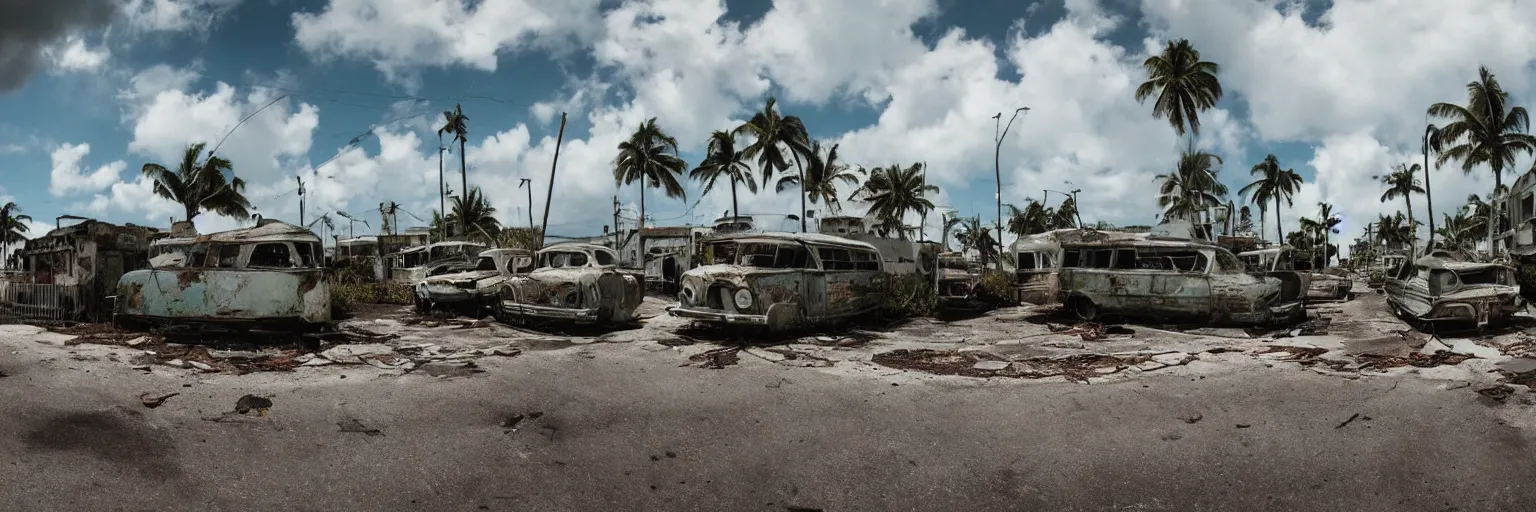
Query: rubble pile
{"type": "Point", "coordinates": [1074, 367]}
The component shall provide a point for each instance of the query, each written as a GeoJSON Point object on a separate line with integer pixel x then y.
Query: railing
{"type": "Point", "coordinates": [34, 302]}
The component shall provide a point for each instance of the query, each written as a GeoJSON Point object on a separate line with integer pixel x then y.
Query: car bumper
{"type": "Point", "coordinates": [577, 315]}
{"type": "Point", "coordinates": [721, 317]}
{"type": "Point", "coordinates": [447, 295]}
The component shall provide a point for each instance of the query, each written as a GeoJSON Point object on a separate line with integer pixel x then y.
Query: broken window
{"type": "Point", "coordinates": [307, 252]}
{"type": "Point", "coordinates": [486, 263]}
{"type": "Point", "coordinates": [227, 256]}
{"type": "Point", "coordinates": [270, 255]}
{"type": "Point", "coordinates": [1125, 259]}
{"type": "Point", "coordinates": [1100, 258]}
{"type": "Point", "coordinates": [866, 260]}
{"type": "Point", "coordinates": [1070, 258]}
{"type": "Point", "coordinates": [791, 256]}
{"type": "Point", "coordinates": [1226, 263]}
{"type": "Point", "coordinates": [835, 259]}
{"type": "Point", "coordinates": [1026, 260]}
{"type": "Point", "coordinates": [1492, 275]}
{"type": "Point", "coordinates": [1046, 260]}
{"type": "Point", "coordinates": [564, 259]}
{"type": "Point", "coordinates": [605, 258]}
{"type": "Point", "coordinates": [197, 256]}
{"type": "Point", "coordinates": [1527, 206]}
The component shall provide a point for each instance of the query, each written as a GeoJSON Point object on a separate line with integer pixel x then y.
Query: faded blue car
{"type": "Point", "coordinates": [265, 277]}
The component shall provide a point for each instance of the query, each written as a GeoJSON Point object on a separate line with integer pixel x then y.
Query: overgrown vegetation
{"type": "Point", "coordinates": [910, 296]}
{"type": "Point", "coordinates": [996, 288]}
{"type": "Point", "coordinates": [352, 283]}
{"type": "Point", "coordinates": [1525, 276]}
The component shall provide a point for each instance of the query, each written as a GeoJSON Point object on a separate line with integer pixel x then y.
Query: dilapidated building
{"type": "Point", "coordinates": [68, 273]}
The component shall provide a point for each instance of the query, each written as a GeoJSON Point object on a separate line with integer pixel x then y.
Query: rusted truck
{"type": "Point", "coordinates": [266, 277]}
{"type": "Point", "coordinates": [783, 281]}
{"type": "Point", "coordinates": [1442, 288]}
{"type": "Point", "coordinates": [1168, 279]}
{"type": "Point", "coordinates": [475, 290]}
{"type": "Point", "coordinates": [573, 282]}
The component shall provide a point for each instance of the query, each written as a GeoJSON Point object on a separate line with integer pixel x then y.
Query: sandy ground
{"type": "Point", "coordinates": [1012, 410]}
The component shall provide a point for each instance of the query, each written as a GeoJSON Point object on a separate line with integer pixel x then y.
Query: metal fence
{"type": "Point", "coordinates": [34, 302]}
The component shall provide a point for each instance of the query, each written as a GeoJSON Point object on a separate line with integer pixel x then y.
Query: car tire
{"type": "Point", "coordinates": [1085, 309]}
{"type": "Point", "coordinates": [422, 305]}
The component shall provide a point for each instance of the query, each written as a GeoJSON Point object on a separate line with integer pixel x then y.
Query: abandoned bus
{"type": "Point", "coordinates": [1167, 279]}
{"type": "Point", "coordinates": [265, 277]}
{"type": "Point", "coordinates": [783, 281]}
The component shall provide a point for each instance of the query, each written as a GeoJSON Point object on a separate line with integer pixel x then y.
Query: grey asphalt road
{"type": "Point", "coordinates": [627, 429]}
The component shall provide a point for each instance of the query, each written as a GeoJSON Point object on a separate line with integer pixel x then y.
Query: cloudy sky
{"type": "Point", "coordinates": [350, 93]}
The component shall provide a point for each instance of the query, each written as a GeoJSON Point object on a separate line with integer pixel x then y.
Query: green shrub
{"type": "Point", "coordinates": [996, 288]}
{"type": "Point", "coordinates": [910, 295]}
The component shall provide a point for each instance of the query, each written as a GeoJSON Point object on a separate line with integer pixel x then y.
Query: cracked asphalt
{"type": "Point", "coordinates": [625, 421]}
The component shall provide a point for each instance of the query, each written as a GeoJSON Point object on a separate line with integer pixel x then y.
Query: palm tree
{"type": "Point", "coordinates": [1459, 231]}
{"type": "Point", "coordinates": [723, 160]}
{"type": "Point", "coordinates": [201, 185]}
{"type": "Point", "coordinates": [1485, 131]}
{"type": "Point", "coordinates": [1403, 182]}
{"type": "Point", "coordinates": [769, 131]}
{"type": "Point", "coordinates": [1066, 214]}
{"type": "Point", "coordinates": [973, 235]}
{"type": "Point", "coordinates": [893, 191]}
{"type": "Point", "coordinates": [440, 224]}
{"type": "Point", "coordinates": [1326, 223]}
{"type": "Point", "coordinates": [476, 213]}
{"type": "Point", "coordinates": [1191, 187]}
{"type": "Point", "coordinates": [1184, 85]}
{"type": "Point", "coordinates": [822, 172]}
{"type": "Point", "coordinates": [1034, 218]}
{"type": "Point", "coordinates": [12, 229]}
{"type": "Point", "coordinates": [456, 123]}
{"type": "Point", "coordinates": [644, 158]}
{"type": "Point", "coordinates": [1273, 185]}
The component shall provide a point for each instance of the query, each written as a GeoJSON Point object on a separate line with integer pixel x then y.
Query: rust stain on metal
{"type": "Point", "coordinates": [185, 278]}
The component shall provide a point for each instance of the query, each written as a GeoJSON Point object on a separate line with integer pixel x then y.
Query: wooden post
{"type": "Point", "coordinates": [551, 196]}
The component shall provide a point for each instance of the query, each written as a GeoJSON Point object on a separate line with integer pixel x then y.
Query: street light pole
{"type": "Point", "coordinates": [997, 167]}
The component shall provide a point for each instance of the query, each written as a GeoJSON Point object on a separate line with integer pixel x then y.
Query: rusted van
{"type": "Point", "coordinates": [1441, 288]}
{"type": "Point", "coordinates": [783, 281]}
{"type": "Point", "coordinates": [267, 277]}
{"type": "Point", "coordinates": [1168, 279]}
{"type": "Point", "coordinates": [1296, 275]}
{"type": "Point", "coordinates": [1038, 258]}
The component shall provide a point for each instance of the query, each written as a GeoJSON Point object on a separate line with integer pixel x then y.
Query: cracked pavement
{"type": "Point", "coordinates": [658, 418]}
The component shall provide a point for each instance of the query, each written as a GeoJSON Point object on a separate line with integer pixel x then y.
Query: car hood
{"type": "Point", "coordinates": [460, 277]}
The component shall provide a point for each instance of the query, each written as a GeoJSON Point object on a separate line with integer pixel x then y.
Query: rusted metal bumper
{"type": "Point", "coordinates": [447, 294]}
{"type": "Point", "coordinates": [1476, 311]}
{"type": "Point", "coordinates": [577, 315]}
{"type": "Point", "coordinates": [714, 316]}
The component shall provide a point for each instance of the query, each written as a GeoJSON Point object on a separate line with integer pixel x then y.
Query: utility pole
{"type": "Point", "coordinates": [616, 227]}
{"type": "Point", "coordinates": [552, 166]}
{"type": "Point", "coordinates": [997, 167]}
{"type": "Point", "coordinates": [301, 199]}
{"type": "Point", "coordinates": [1429, 203]}
{"type": "Point", "coordinates": [522, 182]}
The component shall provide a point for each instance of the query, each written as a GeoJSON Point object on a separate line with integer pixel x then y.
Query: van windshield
{"type": "Point", "coordinates": [761, 254]}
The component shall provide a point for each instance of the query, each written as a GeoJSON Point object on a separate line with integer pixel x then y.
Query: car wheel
{"type": "Point", "coordinates": [496, 311]}
{"type": "Point", "coordinates": [422, 306]}
{"type": "Point", "coordinates": [1085, 309]}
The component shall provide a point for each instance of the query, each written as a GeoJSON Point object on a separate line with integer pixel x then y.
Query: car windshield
{"type": "Point", "coordinates": [761, 254]}
{"type": "Point", "coordinates": [562, 259]}
{"type": "Point", "coordinates": [486, 263]}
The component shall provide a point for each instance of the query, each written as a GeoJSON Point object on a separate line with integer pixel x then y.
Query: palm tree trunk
{"type": "Point", "coordinates": [802, 192]}
{"type": "Point", "coordinates": [442, 192]}
{"type": "Point", "coordinates": [640, 228]}
{"type": "Point", "coordinates": [1413, 229]}
{"type": "Point", "coordinates": [1493, 203]}
{"type": "Point", "coordinates": [1279, 230]}
{"type": "Point", "coordinates": [735, 212]}
{"type": "Point", "coordinates": [464, 183]}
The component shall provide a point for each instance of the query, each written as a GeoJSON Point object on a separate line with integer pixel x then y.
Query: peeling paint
{"type": "Point", "coordinates": [783, 298]}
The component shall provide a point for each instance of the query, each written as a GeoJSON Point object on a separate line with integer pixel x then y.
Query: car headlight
{"type": "Point", "coordinates": [687, 295]}
{"type": "Point", "coordinates": [743, 298]}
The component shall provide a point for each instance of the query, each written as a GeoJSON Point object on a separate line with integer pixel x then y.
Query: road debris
{"type": "Point", "coordinates": [1351, 419]}
{"type": "Point", "coordinates": [991, 366]}
{"type": "Point", "coordinates": [716, 359]}
{"type": "Point", "coordinates": [1497, 393]}
{"type": "Point", "coordinates": [152, 401]}
{"type": "Point", "coordinates": [353, 426]}
{"type": "Point", "coordinates": [512, 421]}
{"type": "Point", "coordinates": [1293, 353]}
{"type": "Point", "coordinates": [449, 369]}
{"type": "Point", "coordinates": [1192, 418]}
{"type": "Point", "coordinates": [248, 403]}
{"type": "Point", "coordinates": [1074, 368]}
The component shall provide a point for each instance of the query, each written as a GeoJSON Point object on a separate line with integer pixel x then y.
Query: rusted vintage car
{"type": "Point", "coordinates": [473, 290]}
{"type": "Point", "coordinates": [959, 282]}
{"type": "Point", "coordinates": [1441, 288]}
{"type": "Point", "coordinates": [783, 281]}
{"type": "Point", "coordinates": [267, 277]}
{"type": "Point", "coordinates": [1168, 279]}
{"type": "Point", "coordinates": [1038, 258]}
{"type": "Point", "coordinates": [1296, 275]}
{"type": "Point", "coordinates": [411, 265]}
{"type": "Point", "coordinates": [574, 282]}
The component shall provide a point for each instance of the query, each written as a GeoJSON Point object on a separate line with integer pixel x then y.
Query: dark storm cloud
{"type": "Point", "coordinates": [29, 26]}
